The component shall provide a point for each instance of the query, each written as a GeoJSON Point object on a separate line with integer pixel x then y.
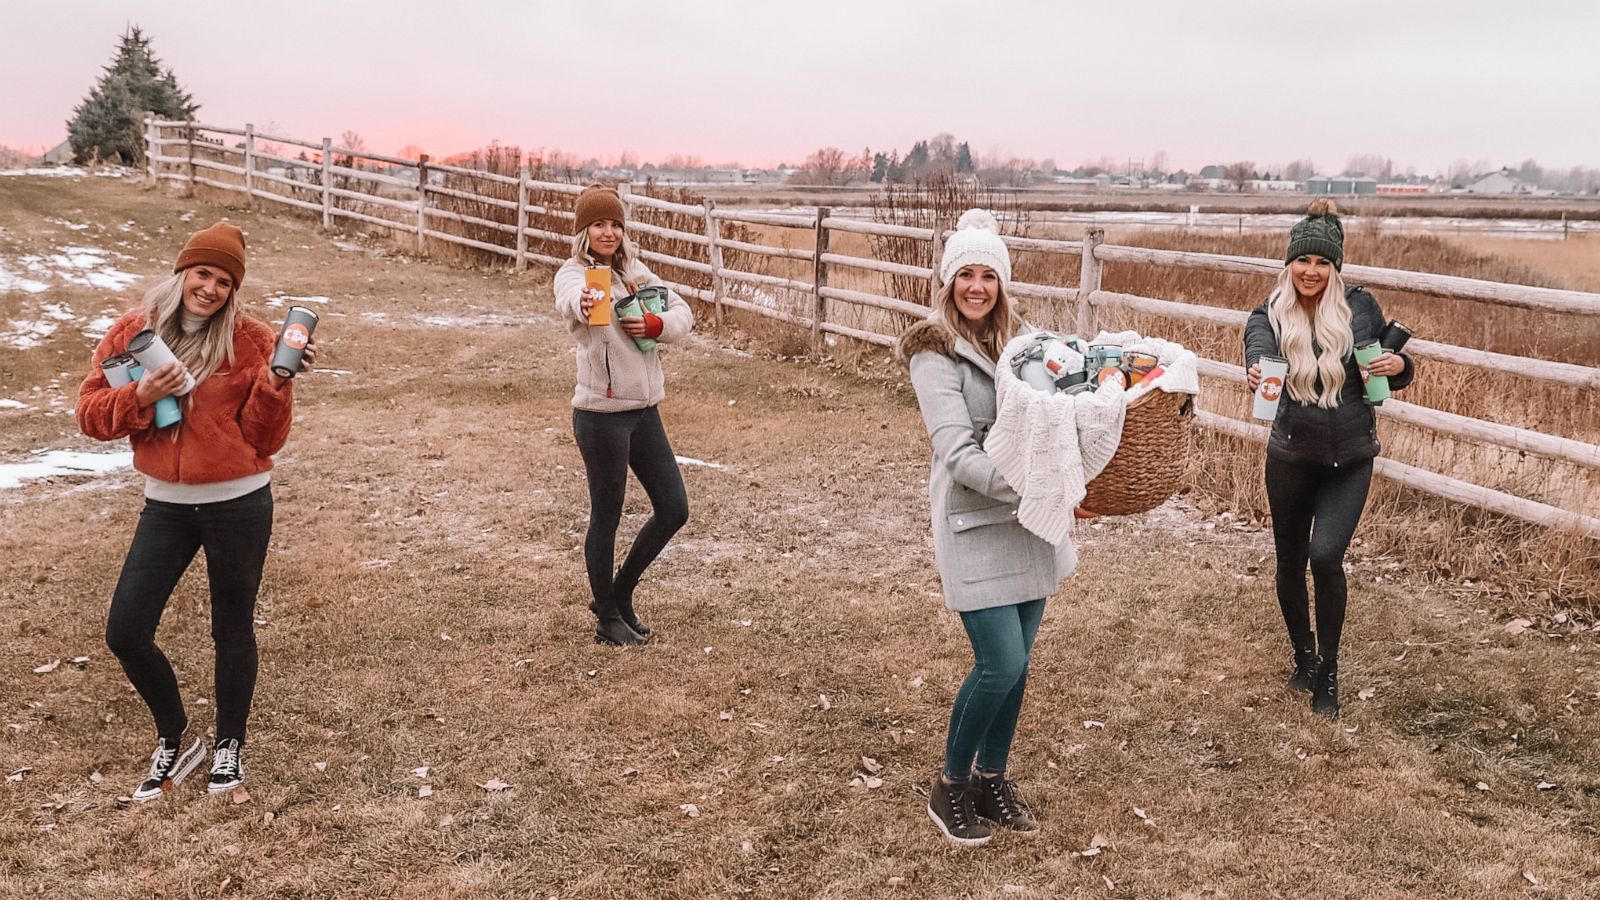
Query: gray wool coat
{"type": "Point", "coordinates": [985, 557]}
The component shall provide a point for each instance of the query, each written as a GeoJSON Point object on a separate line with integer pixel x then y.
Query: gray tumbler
{"type": "Point", "coordinates": [298, 324]}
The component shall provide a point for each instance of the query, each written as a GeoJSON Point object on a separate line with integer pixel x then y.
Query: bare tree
{"type": "Point", "coordinates": [1239, 174]}
{"type": "Point", "coordinates": [1299, 170]}
{"type": "Point", "coordinates": [832, 166]}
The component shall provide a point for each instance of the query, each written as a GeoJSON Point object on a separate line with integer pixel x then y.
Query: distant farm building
{"type": "Point", "coordinates": [59, 155]}
{"type": "Point", "coordinates": [1341, 185]}
{"type": "Point", "coordinates": [1498, 183]}
{"type": "Point", "coordinates": [1404, 189]}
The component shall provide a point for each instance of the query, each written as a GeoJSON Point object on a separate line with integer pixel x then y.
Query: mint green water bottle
{"type": "Point", "coordinates": [1377, 386]}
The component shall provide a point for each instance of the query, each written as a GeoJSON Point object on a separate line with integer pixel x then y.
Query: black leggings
{"type": "Point", "coordinates": [1314, 514]}
{"type": "Point", "coordinates": [612, 443]}
{"type": "Point", "coordinates": [234, 534]}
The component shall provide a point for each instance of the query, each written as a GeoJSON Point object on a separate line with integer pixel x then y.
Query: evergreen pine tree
{"type": "Point", "coordinates": [106, 126]}
{"type": "Point", "coordinates": [964, 158]}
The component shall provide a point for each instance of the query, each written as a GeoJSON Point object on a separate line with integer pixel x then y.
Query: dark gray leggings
{"type": "Point", "coordinates": [611, 443]}
{"type": "Point", "coordinates": [234, 534]}
{"type": "Point", "coordinates": [1315, 510]}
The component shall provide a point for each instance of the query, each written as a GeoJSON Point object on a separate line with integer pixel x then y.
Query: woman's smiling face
{"type": "Point", "coordinates": [206, 289]}
{"type": "Point", "coordinates": [977, 288]}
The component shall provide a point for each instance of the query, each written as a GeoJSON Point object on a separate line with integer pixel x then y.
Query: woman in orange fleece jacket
{"type": "Point", "coordinates": [206, 486]}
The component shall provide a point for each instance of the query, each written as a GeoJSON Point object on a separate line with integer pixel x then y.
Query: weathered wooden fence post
{"type": "Point", "coordinates": [1089, 282]}
{"type": "Point", "coordinates": [934, 284]}
{"type": "Point", "coordinates": [327, 184]}
{"type": "Point", "coordinates": [522, 218]}
{"type": "Point", "coordinates": [714, 256]}
{"type": "Point", "coordinates": [249, 165]}
{"type": "Point", "coordinates": [819, 280]}
{"type": "Point", "coordinates": [188, 143]}
{"type": "Point", "coordinates": [422, 201]}
{"type": "Point", "coordinates": [151, 141]}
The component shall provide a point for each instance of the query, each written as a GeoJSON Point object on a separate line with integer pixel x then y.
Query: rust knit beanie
{"type": "Point", "coordinates": [221, 245]}
{"type": "Point", "coordinates": [595, 203]}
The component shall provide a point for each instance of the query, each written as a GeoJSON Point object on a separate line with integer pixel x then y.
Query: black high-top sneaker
{"type": "Point", "coordinates": [169, 767]}
{"type": "Point", "coordinates": [950, 805]}
{"type": "Point", "coordinates": [1305, 667]}
{"type": "Point", "coordinates": [1325, 690]}
{"type": "Point", "coordinates": [997, 801]}
{"type": "Point", "coordinates": [227, 766]}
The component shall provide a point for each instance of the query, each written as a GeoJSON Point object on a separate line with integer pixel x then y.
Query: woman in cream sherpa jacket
{"type": "Point", "coordinates": [614, 418]}
{"type": "Point", "coordinates": [206, 486]}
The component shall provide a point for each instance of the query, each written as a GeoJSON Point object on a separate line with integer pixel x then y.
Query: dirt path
{"type": "Point", "coordinates": [423, 607]}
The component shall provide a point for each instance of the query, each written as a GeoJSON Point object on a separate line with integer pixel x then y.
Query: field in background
{"type": "Point", "coordinates": [423, 613]}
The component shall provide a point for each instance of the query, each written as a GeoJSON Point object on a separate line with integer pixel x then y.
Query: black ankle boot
{"type": "Point", "coordinates": [622, 594]}
{"type": "Point", "coordinates": [611, 629]}
{"type": "Point", "coordinates": [1325, 690]}
{"type": "Point", "coordinates": [1305, 667]}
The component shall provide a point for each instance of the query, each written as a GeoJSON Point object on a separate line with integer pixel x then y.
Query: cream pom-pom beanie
{"type": "Point", "coordinates": [976, 242]}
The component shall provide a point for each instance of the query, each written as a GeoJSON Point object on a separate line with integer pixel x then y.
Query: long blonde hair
{"type": "Point", "coordinates": [621, 261]}
{"type": "Point", "coordinates": [1315, 347]}
{"type": "Point", "coordinates": [1002, 320]}
{"type": "Point", "coordinates": [204, 351]}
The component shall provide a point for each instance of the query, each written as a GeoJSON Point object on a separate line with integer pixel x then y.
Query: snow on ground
{"type": "Point", "coordinates": [278, 299]}
{"type": "Point", "coordinates": [52, 463]}
{"type": "Point", "coordinates": [83, 266]}
{"type": "Point", "coordinates": [691, 461]}
{"type": "Point", "coordinates": [63, 172]}
{"type": "Point", "coordinates": [6, 403]}
{"type": "Point", "coordinates": [31, 330]}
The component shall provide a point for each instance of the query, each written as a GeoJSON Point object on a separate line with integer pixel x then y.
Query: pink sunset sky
{"type": "Point", "coordinates": [1423, 83]}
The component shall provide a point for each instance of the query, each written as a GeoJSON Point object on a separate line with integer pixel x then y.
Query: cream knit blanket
{"type": "Point", "coordinates": [1048, 447]}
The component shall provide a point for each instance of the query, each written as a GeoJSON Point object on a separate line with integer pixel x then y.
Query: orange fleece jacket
{"type": "Point", "coordinates": [234, 421]}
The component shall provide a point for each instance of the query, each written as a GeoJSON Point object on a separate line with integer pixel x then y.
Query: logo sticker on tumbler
{"type": "Point", "coordinates": [1271, 388]}
{"type": "Point", "coordinates": [296, 336]}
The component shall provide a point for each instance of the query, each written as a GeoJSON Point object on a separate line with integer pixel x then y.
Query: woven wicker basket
{"type": "Point", "coordinates": [1149, 461]}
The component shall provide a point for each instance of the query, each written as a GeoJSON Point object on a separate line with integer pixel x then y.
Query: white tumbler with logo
{"type": "Point", "coordinates": [1274, 369]}
{"type": "Point", "coordinates": [153, 353]}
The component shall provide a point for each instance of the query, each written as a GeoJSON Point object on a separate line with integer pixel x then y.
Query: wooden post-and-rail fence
{"type": "Point", "coordinates": [321, 184]}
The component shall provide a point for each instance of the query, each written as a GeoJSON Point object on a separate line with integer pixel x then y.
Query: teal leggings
{"type": "Point", "coordinates": [985, 715]}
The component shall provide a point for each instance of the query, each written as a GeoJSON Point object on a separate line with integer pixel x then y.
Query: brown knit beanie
{"type": "Point", "coordinates": [221, 245]}
{"type": "Point", "coordinates": [595, 203]}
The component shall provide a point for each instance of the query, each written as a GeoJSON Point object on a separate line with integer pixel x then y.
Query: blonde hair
{"type": "Point", "coordinates": [204, 351]}
{"type": "Point", "coordinates": [621, 261]}
{"type": "Point", "coordinates": [1002, 320]}
{"type": "Point", "coordinates": [1316, 347]}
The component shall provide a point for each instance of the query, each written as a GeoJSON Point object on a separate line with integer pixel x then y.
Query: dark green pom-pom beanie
{"type": "Point", "coordinates": [1320, 233]}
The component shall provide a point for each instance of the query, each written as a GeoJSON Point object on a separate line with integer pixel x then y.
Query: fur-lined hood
{"type": "Point", "coordinates": [928, 334]}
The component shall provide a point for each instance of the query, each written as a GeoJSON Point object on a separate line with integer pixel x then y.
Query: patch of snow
{"type": "Point", "coordinates": [96, 328]}
{"type": "Point", "coordinates": [278, 298]}
{"type": "Point", "coordinates": [13, 404]}
{"type": "Point", "coordinates": [475, 321]}
{"type": "Point", "coordinates": [71, 226]}
{"type": "Point", "coordinates": [25, 335]}
{"type": "Point", "coordinates": [691, 461]}
{"type": "Point", "coordinates": [87, 266]}
{"type": "Point", "coordinates": [47, 464]}
{"type": "Point", "coordinates": [11, 281]}
{"type": "Point", "coordinates": [334, 372]}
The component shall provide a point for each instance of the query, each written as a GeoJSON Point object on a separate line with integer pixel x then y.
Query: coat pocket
{"type": "Point", "coordinates": [988, 543]}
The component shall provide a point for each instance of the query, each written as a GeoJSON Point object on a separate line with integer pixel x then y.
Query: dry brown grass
{"type": "Point", "coordinates": [423, 606]}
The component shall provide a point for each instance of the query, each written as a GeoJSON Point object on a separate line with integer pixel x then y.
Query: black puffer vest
{"type": "Point", "coordinates": [1311, 435]}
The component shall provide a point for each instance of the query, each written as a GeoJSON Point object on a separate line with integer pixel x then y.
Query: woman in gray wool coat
{"type": "Point", "coordinates": [995, 573]}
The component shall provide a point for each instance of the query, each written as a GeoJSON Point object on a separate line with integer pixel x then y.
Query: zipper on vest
{"type": "Point", "coordinates": [607, 354]}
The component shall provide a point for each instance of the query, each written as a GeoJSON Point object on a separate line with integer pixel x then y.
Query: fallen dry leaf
{"type": "Point", "coordinates": [494, 784]}
{"type": "Point", "coordinates": [1482, 787]}
{"type": "Point", "coordinates": [822, 701]}
{"type": "Point", "coordinates": [420, 771]}
{"type": "Point", "coordinates": [629, 773]}
{"type": "Point", "coordinates": [1110, 885]}
{"type": "Point", "coordinates": [1546, 786]}
{"type": "Point", "coordinates": [1532, 878]}
{"type": "Point", "coordinates": [690, 810]}
{"type": "Point", "coordinates": [873, 782]}
{"type": "Point", "coordinates": [1090, 723]}
{"type": "Point", "coordinates": [320, 766]}
{"type": "Point", "coordinates": [19, 774]}
{"type": "Point", "coordinates": [871, 765]}
{"type": "Point", "coordinates": [1092, 851]}
{"type": "Point", "coordinates": [447, 821]}
{"type": "Point", "coordinates": [240, 796]}
{"type": "Point", "coordinates": [1366, 693]}
{"type": "Point", "coordinates": [96, 778]}
{"type": "Point", "coordinates": [231, 849]}
{"type": "Point", "coordinates": [425, 792]}
{"type": "Point", "coordinates": [47, 668]}
{"type": "Point", "coordinates": [896, 881]}
{"type": "Point", "coordinates": [267, 817]}
{"type": "Point", "coordinates": [725, 716]}
{"type": "Point", "coordinates": [1518, 626]}
{"type": "Point", "coordinates": [79, 661]}
{"type": "Point", "coordinates": [917, 682]}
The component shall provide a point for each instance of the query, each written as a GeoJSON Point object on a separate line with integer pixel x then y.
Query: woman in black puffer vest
{"type": "Point", "coordinates": [1319, 458]}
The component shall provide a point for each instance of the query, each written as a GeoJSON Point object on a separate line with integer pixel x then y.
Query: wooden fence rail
{"type": "Point", "coordinates": [738, 289]}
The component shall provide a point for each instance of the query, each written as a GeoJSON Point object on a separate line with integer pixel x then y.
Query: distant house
{"type": "Point", "coordinates": [1404, 189]}
{"type": "Point", "coordinates": [60, 154]}
{"type": "Point", "coordinates": [1499, 182]}
{"type": "Point", "coordinates": [1217, 172]}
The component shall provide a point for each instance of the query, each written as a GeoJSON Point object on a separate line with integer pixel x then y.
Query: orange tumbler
{"type": "Point", "coordinates": [599, 277]}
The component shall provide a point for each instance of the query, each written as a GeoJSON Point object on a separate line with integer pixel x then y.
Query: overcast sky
{"type": "Point", "coordinates": [1421, 81]}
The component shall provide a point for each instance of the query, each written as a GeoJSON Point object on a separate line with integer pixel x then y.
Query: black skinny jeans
{"type": "Point", "coordinates": [234, 534]}
{"type": "Point", "coordinates": [1315, 510]}
{"type": "Point", "coordinates": [612, 443]}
